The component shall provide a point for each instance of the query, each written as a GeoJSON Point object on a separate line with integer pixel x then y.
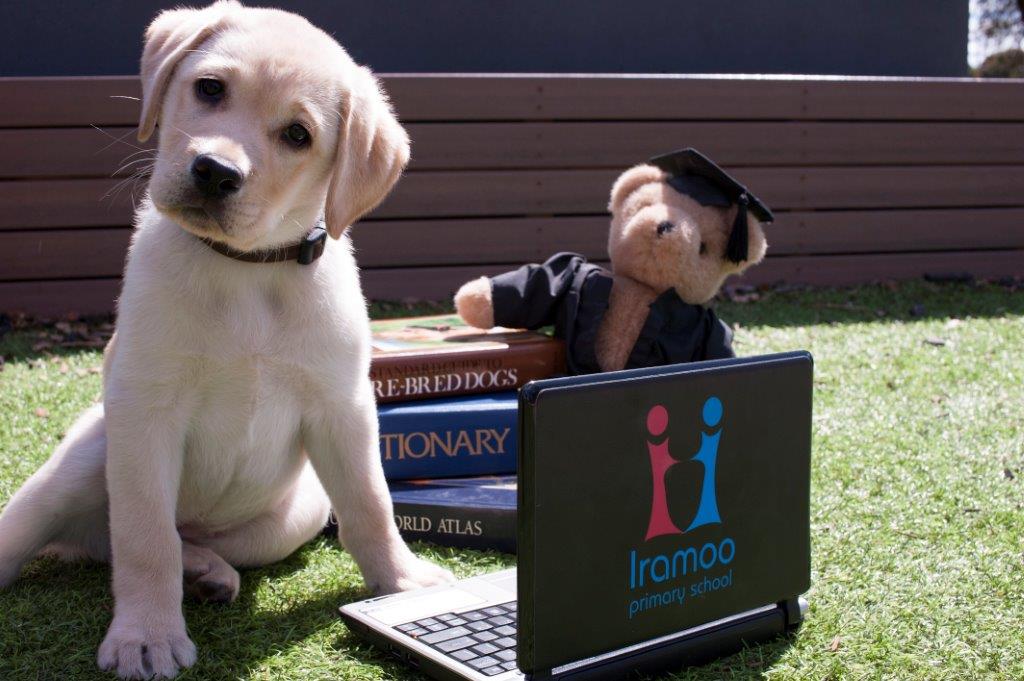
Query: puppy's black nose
{"type": "Point", "coordinates": [215, 177]}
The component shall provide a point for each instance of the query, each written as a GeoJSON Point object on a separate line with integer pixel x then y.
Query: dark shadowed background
{"type": "Point", "coordinates": [856, 37]}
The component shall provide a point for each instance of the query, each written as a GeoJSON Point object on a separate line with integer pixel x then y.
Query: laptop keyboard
{"type": "Point", "coordinates": [483, 639]}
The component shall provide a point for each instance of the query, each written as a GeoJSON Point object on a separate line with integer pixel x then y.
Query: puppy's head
{"type": "Point", "coordinates": [666, 239]}
{"type": "Point", "coordinates": [265, 124]}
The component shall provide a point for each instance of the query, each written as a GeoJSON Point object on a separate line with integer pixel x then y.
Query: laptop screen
{"type": "Point", "coordinates": [652, 504]}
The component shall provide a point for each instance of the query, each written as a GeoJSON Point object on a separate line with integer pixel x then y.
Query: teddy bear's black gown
{"type": "Point", "coordinates": [572, 294]}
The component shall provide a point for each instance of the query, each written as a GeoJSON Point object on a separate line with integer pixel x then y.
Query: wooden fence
{"type": "Point", "coordinates": [870, 178]}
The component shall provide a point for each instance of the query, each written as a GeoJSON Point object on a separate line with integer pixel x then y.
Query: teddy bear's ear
{"type": "Point", "coordinates": [630, 181]}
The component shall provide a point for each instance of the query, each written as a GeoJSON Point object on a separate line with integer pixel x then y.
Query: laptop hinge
{"type": "Point", "coordinates": [793, 611]}
{"type": "Point", "coordinates": [758, 623]}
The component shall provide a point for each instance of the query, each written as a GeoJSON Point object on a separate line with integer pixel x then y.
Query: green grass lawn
{"type": "Point", "coordinates": [917, 508]}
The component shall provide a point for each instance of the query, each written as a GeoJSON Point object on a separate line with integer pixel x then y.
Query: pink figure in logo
{"type": "Point", "coordinates": [661, 460]}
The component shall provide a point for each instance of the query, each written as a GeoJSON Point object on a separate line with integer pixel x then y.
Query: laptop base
{"type": "Point", "coordinates": [687, 650]}
{"type": "Point", "coordinates": [668, 653]}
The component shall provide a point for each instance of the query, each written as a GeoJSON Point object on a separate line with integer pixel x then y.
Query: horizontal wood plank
{"type": "Point", "coordinates": [440, 283]}
{"type": "Point", "coordinates": [459, 242]}
{"type": "Point", "coordinates": [96, 296]}
{"type": "Point", "coordinates": [55, 253]}
{"type": "Point", "coordinates": [89, 152]}
{"type": "Point", "coordinates": [618, 145]}
{"type": "Point", "coordinates": [547, 192]}
{"type": "Point", "coordinates": [857, 231]}
{"type": "Point", "coordinates": [49, 204]}
{"type": "Point", "coordinates": [46, 204]}
{"type": "Point", "coordinates": [742, 98]}
{"type": "Point", "coordinates": [71, 101]}
{"type": "Point", "coordinates": [42, 102]}
{"type": "Point", "coordinates": [849, 270]}
{"type": "Point", "coordinates": [72, 152]}
{"type": "Point", "coordinates": [59, 298]}
{"type": "Point", "coordinates": [390, 243]}
{"type": "Point", "coordinates": [63, 254]}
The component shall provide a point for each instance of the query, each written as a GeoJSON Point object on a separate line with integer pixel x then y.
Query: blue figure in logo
{"type": "Point", "coordinates": [707, 512]}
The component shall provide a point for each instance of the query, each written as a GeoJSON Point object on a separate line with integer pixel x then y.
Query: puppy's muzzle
{"type": "Point", "coordinates": [215, 177]}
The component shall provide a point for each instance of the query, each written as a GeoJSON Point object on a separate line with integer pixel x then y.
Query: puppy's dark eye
{"type": "Point", "coordinates": [665, 227]}
{"type": "Point", "coordinates": [209, 90]}
{"type": "Point", "coordinates": [296, 135]}
{"type": "Point", "coordinates": [703, 248]}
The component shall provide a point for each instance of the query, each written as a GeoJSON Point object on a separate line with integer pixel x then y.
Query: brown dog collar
{"type": "Point", "coordinates": [305, 252]}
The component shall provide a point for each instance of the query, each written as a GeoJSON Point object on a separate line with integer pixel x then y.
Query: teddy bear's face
{"type": "Point", "coordinates": [665, 239]}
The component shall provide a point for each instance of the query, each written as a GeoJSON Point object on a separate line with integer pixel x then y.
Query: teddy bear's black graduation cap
{"type": "Point", "coordinates": [694, 174]}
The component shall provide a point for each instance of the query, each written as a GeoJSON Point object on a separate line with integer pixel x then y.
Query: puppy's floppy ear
{"type": "Point", "coordinates": [172, 35]}
{"type": "Point", "coordinates": [630, 181]}
{"type": "Point", "coordinates": [373, 149]}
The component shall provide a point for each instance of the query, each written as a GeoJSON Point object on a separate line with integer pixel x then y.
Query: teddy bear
{"type": "Point", "coordinates": [679, 226]}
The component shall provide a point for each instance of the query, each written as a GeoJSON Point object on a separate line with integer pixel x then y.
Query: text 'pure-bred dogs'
{"type": "Point", "coordinates": [237, 407]}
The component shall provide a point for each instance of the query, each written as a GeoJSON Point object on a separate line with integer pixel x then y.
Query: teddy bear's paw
{"type": "Point", "coordinates": [473, 303]}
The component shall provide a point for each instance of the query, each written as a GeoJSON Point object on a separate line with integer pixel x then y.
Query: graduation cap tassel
{"type": "Point", "coordinates": [736, 249]}
{"type": "Point", "coordinates": [695, 175]}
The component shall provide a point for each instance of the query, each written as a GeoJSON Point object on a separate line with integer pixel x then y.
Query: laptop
{"type": "Point", "coordinates": [663, 520]}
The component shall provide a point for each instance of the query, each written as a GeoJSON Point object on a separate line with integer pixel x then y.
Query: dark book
{"type": "Point", "coordinates": [471, 513]}
{"type": "Point", "coordinates": [420, 357]}
{"type": "Point", "coordinates": [449, 437]}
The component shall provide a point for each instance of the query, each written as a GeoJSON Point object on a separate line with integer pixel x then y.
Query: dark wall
{"type": "Point", "coordinates": [866, 37]}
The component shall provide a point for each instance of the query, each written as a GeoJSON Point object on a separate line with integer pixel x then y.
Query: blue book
{"type": "Point", "coordinates": [474, 513]}
{"type": "Point", "coordinates": [449, 437]}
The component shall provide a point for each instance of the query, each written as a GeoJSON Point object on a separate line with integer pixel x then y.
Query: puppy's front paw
{"type": "Point", "coordinates": [411, 573]}
{"type": "Point", "coordinates": [146, 652]}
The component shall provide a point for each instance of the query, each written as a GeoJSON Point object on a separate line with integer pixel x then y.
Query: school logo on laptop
{"type": "Point", "coordinates": [671, 574]}
{"type": "Point", "coordinates": [662, 460]}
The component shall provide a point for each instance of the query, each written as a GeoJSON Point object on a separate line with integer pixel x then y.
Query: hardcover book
{"type": "Point", "coordinates": [420, 357]}
{"type": "Point", "coordinates": [449, 437]}
{"type": "Point", "coordinates": [473, 513]}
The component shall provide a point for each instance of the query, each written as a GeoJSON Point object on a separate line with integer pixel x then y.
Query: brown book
{"type": "Point", "coordinates": [420, 357]}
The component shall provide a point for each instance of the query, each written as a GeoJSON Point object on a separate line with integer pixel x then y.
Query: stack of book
{"type": "Point", "coordinates": [446, 396]}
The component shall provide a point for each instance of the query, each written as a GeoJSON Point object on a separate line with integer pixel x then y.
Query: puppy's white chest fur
{"type": "Point", "coordinates": [243, 444]}
{"type": "Point", "coordinates": [251, 350]}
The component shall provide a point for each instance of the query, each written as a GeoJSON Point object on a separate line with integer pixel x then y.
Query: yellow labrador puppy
{"type": "Point", "coordinates": [235, 392]}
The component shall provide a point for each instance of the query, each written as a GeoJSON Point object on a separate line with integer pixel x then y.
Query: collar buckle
{"type": "Point", "coordinates": [312, 245]}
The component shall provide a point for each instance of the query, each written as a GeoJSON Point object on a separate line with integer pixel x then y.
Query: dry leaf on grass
{"type": "Point", "coordinates": [42, 412]}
